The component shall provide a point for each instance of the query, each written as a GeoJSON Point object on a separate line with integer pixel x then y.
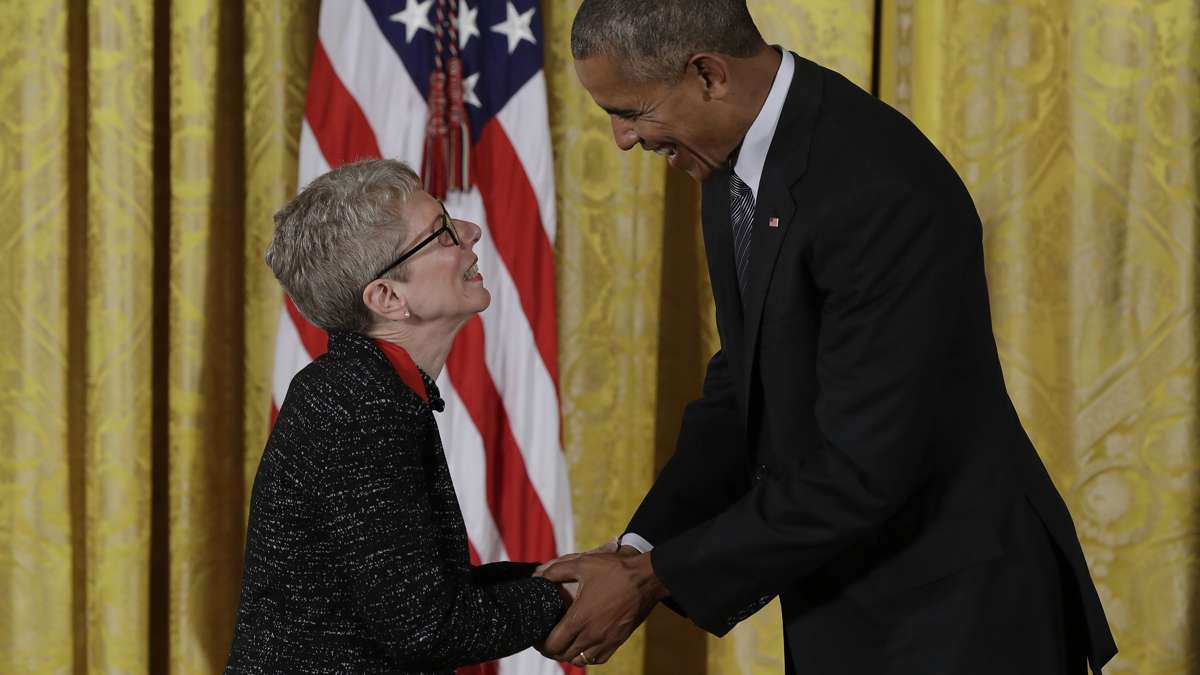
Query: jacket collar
{"type": "Point", "coordinates": [344, 344]}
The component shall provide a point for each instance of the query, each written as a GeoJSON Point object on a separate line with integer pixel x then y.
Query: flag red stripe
{"type": "Point", "coordinates": [520, 517]}
{"type": "Point", "coordinates": [337, 121]}
{"type": "Point", "coordinates": [516, 228]}
{"type": "Point", "coordinates": [315, 340]}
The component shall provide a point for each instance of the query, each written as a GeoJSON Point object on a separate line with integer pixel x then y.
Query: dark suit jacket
{"type": "Point", "coordinates": [855, 450]}
{"type": "Point", "coordinates": [356, 552]}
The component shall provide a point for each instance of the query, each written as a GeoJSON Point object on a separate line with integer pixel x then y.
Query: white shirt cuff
{"type": "Point", "coordinates": [636, 541]}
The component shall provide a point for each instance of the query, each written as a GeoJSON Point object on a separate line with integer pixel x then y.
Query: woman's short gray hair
{"type": "Point", "coordinates": [335, 236]}
{"type": "Point", "coordinates": [654, 39]}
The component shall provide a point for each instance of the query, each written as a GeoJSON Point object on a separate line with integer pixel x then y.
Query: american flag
{"type": "Point", "coordinates": [369, 95]}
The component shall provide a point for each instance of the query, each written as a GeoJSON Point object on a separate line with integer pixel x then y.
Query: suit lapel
{"type": "Point", "coordinates": [775, 207]}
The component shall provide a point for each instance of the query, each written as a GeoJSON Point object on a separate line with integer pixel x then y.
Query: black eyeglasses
{"type": "Point", "coordinates": [446, 236]}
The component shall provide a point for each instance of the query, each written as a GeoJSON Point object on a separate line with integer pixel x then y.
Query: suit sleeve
{"type": "Point", "coordinates": [708, 469]}
{"type": "Point", "coordinates": [885, 263]}
{"type": "Point", "coordinates": [426, 615]}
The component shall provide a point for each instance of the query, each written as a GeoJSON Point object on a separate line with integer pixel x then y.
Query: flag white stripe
{"type": "Point", "coordinates": [312, 161]}
{"type": "Point", "coordinates": [529, 662]}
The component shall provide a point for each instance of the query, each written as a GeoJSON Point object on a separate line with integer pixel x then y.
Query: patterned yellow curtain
{"type": "Point", "coordinates": [1075, 126]}
{"type": "Point", "coordinates": [144, 145]}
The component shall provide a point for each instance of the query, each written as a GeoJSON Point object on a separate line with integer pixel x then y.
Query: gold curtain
{"type": "Point", "coordinates": [145, 143]}
{"type": "Point", "coordinates": [1075, 126]}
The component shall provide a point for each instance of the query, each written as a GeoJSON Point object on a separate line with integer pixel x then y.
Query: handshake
{"type": "Point", "coordinates": [610, 591]}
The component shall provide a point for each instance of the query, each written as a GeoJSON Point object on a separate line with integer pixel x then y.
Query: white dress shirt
{"type": "Point", "coordinates": [750, 161]}
{"type": "Point", "coordinates": [757, 142]}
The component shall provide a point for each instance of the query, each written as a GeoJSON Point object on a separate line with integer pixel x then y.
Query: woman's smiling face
{"type": "Point", "coordinates": [442, 279]}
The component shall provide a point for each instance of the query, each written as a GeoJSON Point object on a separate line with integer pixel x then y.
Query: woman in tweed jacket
{"type": "Point", "coordinates": [356, 552]}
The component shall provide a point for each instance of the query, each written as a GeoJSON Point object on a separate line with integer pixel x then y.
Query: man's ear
{"type": "Point", "coordinates": [713, 71]}
{"type": "Point", "coordinates": [386, 298]}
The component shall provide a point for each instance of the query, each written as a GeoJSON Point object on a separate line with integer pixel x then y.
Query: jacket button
{"type": "Point", "coordinates": [759, 472]}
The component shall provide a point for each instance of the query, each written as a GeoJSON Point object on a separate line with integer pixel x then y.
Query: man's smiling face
{"type": "Point", "coordinates": [672, 119]}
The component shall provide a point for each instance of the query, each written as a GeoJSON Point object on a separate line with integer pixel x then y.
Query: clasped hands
{"type": "Point", "coordinates": [613, 590]}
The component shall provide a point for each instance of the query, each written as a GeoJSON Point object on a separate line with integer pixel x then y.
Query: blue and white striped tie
{"type": "Point", "coordinates": [741, 216]}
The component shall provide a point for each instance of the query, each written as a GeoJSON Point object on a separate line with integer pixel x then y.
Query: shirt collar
{"type": "Point", "coordinates": [753, 153]}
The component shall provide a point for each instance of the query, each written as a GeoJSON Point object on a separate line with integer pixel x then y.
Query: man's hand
{"type": "Point", "coordinates": [616, 593]}
{"type": "Point", "coordinates": [569, 590]}
{"type": "Point", "coordinates": [610, 546]}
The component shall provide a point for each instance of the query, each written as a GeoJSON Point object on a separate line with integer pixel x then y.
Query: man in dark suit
{"type": "Point", "coordinates": [855, 451]}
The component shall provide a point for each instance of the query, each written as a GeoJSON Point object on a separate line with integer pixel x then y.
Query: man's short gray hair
{"type": "Point", "coordinates": [654, 39]}
{"type": "Point", "coordinates": [333, 238]}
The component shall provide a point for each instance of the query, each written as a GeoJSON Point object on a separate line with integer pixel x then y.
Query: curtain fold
{"type": "Point", "coordinates": [205, 339]}
{"type": "Point", "coordinates": [117, 265]}
{"type": "Point", "coordinates": [145, 144]}
{"type": "Point", "coordinates": [37, 502]}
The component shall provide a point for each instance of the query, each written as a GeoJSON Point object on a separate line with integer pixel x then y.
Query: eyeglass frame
{"type": "Point", "coordinates": [447, 227]}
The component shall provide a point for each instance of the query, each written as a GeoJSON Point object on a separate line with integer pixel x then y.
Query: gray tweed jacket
{"type": "Point", "coordinates": [356, 552]}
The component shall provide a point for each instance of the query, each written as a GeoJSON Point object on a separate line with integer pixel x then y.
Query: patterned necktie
{"type": "Point", "coordinates": [741, 216]}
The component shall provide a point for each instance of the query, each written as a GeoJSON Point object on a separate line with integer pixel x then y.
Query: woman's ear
{"type": "Point", "coordinates": [386, 298]}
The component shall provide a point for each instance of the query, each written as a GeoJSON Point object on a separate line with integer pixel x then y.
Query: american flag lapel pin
{"type": "Point", "coordinates": [773, 222]}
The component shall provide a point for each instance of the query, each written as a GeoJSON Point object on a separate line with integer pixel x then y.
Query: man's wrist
{"type": "Point", "coordinates": [647, 581]}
